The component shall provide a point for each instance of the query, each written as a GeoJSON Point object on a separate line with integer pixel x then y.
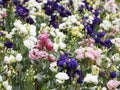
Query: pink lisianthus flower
{"type": "Point", "coordinates": [34, 54]}
{"type": "Point", "coordinates": [80, 53]}
{"type": "Point", "coordinates": [43, 54]}
{"type": "Point", "coordinates": [39, 45]}
{"type": "Point", "coordinates": [51, 58]}
{"type": "Point", "coordinates": [43, 37]}
{"type": "Point", "coordinates": [3, 15]}
{"type": "Point", "coordinates": [112, 84]}
{"type": "Point", "coordinates": [49, 45]}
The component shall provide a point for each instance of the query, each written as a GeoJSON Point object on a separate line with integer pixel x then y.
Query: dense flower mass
{"type": "Point", "coordinates": [59, 44]}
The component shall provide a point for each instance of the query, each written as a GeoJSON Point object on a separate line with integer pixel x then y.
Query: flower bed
{"type": "Point", "coordinates": [59, 45]}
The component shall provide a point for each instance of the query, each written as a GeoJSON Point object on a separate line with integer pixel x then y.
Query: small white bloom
{"type": "Point", "coordinates": [9, 73]}
{"type": "Point", "coordinates": [6, 59]}
{"type": "Point", "coordinates": [12, 58]}
{"type": "Point", "coordinates": [61, 77]}
{"type": "Point", "coordinates": [53, 67]}
{"type": "Point", "coordinates": [19, 57]}
{"type": "Point", "coordinates": [6, 85]}
{"type": "Point", "coordinates": [9, 36]}
{"type": "Point", "coordinates": [32, 30]}
{"type": "Point", "coordinates": [111, 6]}
{"type": "Point", "coordinates": [30, 42]}
{"type": "Point", "coordinates": [106, 25]}
{"type": "Point", "coordinates": [89, 78]}
{"type": "Point", "coordinates": [1, 78]}
{"type": "Point", "coordinates": [104, 88]}
{"type": "Point", "coordinates": [116, 41]}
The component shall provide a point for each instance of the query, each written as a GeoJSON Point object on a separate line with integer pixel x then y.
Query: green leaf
{"type": "Point", "coordinates": [118, 1]}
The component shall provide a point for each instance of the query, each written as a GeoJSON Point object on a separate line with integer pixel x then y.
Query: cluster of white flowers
{"type": "Point", "coordinates": [68, 22]}
{"type": "Point", "coordinates": [58, 39]}
{"type": "Point", "coordinates": [106, 25]}
{"type": "Point", "coordinates": [11, 58]}
{"type": "Point", "coordinates": [93, 77]}
{"type": "Point", "coordinates": [111, 6]}
{"type": "Point", "coordinates": [61, 77]}
{"type": "Point", "coordinates": [29, 32]}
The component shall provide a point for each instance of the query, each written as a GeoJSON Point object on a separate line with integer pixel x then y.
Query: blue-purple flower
{"type": "Point", "coordinates": [8, 44]}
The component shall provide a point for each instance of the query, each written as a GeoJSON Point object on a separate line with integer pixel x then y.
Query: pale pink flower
{"type": "Point", "coordinates": [34, 54]}
{"type": "Point", "coordinates": [89, 55]}
{"type": "Point", "coordinates": [39, 45]}
{"type": "Point", "coordinates": [112, 84]}
{"type": "Point", "coordinates": [51, 58]}
{"type": "Point", "coordinates": [80, 56]}
{"type": "Point", "coordinates": [43, 54]}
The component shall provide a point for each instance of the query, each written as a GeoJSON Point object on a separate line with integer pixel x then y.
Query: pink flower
{"type": "Point", "coordinates": [3, 15]}
{"type": "Point", "coordinates": [34, 54]}
{"type": "Point", "coordinates": [112, 84]}
{"type": "Point", "coordinates": [49, 45]}
{"type": "Point", "coordinates": [80, 56]}
{"type": "Point", "coordinates": [43, 54]}
{"type": "Point", "coordinates": [39, 45]}
{"type": "Point", "coordinates": [90, 55]}
{"type": "Point", "coordinates": [51, 58]}
{"type": "Point", "coordinates": [43, 37]}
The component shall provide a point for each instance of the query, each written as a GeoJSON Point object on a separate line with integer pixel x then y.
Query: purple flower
{"type": "Point", "coordinates": [79, 75]}
{"type": "Point", "coordinates": [22, 11]}
{"type": "Point", "coordinates": [8, 44]}
{"type": "Point", "coordinates": [100, 34]}
{"type": "Point", "coordinates": [72, 64]}
{"type": "Point", "coordinates": [90, 30]}
{"type": "Point", "coordinates": [107, 43]}
{"type": "Point", "coordinates": [29, 20]}
{"type": "Point", "coordinates": [113, 74]}
{"type": "Point", "coordinates": [1, 34]}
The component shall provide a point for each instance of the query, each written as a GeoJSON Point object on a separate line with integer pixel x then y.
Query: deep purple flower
{"type": "Point", "coordinates": [79, 75]}
{"type": "Point", "coordinates": [96, 21]}
{"type": "Point", "coordinates": [29, 20]}
{"type": "Point", "coordinates": [97, 40]}
{"type": "Point", "coordinates": [1, 33]}
{"type": "Point", "coordinates": [15, 2]}
{"type": "Point", "coordinates": [22, 11]}
{"type": "Point", "coordinates": [90, 30]}
{"type": "Point", "coordinates": [72, 64]}
{"type": "Point", "coordinates": [100, 34]}
{"type": "Point", "coordinates": [107, 43]}
{"type": "Point", "coordinates": [1, 1]}
{"type": "Point", "coordinates": [8, 44]}
{"type": "Point", "coordinates": [113, 74]}
{"type": "Point", "coordinates": [62, 63]}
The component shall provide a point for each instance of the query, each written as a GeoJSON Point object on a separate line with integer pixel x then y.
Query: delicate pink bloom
{"type": "Point", "coordinates": [49, 45]}
{"type": "Point", "coordinates": [3, 15]}
{"type": "Point", "coordinates": [39, 45]}
{"type": "Point", "coordinates": [34, 54]}
{"type": "Point", "coordinates": [89, 55]}
{"type": "Point", "coordinates": [90, 50]}
{"type": "Point", "coordinates": [112, 84]}
{"type": "Point", "coordinates": [97, 53]}
{"type": "Point", "coordinates": [80, 56]}
{"type": "Point", "coordinates": [43, 37]}
{"type": "Point", "coordinates": [43, 54]}
{"type": "Point", "coordinates": [79, 51]}
{"type": "Point", "coordinates": [51, 58]}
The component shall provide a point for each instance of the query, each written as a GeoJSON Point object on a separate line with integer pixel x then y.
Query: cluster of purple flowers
{"type": "Point", "coordinates": [66, 62]}
{"type": "Point", "coordinates": [51, 7]}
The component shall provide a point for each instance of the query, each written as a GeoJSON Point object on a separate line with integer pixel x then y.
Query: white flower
{"type": "Point", "coordinates": [1, 78]}
{"type": "Point", "coordinates": [32, 30]}
{"type": "Point", "coordinates": [89, 78]}
{"type": "Point", "coordinates": [9, 73]}
{"type": "Point", "coordinates": [116, 41]}
{"type": "Point", "coordinates": [9, 36]}
{"type": "Point", "coordinates": [61, 77]}
{"type": "Point", "coordinates": [30, 42]}
{"type": "Point", "coordinates": [6, 85]}
{"type": "Point", "coordinates": [6, 59]}
{"type": "Point", "coordinates": [104, 88]}
{"type": "Point", "coordinates": [19, 57]}
{"type": "Point", "coordinates": [106, 25]}
{"type": "Point", "coordinates": [53, 67]}
{"type": "Point", "coordinates": [111, 6]}
{"type": "Point", "coordinates": [12, 58]}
